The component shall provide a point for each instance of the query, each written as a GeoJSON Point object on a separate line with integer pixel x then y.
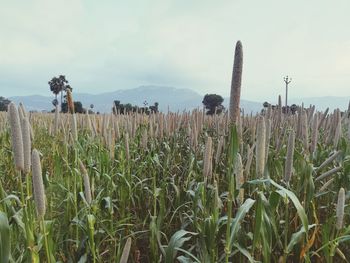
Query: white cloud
{"type": "Point", "coordinates": [109, 45]}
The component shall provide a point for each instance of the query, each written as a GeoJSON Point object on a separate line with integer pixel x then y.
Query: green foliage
{"type": "Point", "coordinates": [59, 85]}
{"type": "Point", "coordinates": [213, 103]}
{"type": "Point", "coordinates": [78, 107]}
{"type": "Point", "coordinates": [128, 108]}
{"type": "Point", "coordinates": [5, 239]}
{"type": "Point", "coordinates": [176, 241]}
{"type": "Point", "coordinates": [4, 103]}
{"type": "Point", "coordinates": [151, 203]}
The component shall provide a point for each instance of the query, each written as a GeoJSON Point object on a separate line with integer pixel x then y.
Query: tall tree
{"type": "Point", "coordinates": [54, 86]}
{"type": "Point", "coordinates": [59, 85]}
{"type": "Point", "coordinates": [63, 85]}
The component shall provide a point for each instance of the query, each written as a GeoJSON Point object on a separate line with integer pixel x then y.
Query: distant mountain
{"type": "Point", "coordinates": [170, 98]}
{"type": "Point", "coordinates": [34, 102]}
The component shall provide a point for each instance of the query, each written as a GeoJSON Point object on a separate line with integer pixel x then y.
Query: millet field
{"type": "Point", "coordinates": [176, 186]}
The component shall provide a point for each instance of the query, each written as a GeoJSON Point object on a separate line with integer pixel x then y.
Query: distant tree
{"type": "Point", "coordinates": [117, 107]}
{"type": "Point", "coordinates": [78, 107]}
{"type": "Point", "coordinates": [117, 103]}
{"type": "Point", "coordinates": [64, 107]}
{"type": "Point", "coordinates": [55, 86]}
{"type": "Point", "coordinates": [213, 103]}
{"type": "Point", "coordinates": [128, 107]}
{"type": "Point", "coordinates": [294, 108]}
{"type": "Point", "coordinates": [59, 85]}
{"type": "Point", "coordinates": [154, 108]}
{"type": "Point", "coordinates": [266, 104]}
{"type": "Point", "coordinates": [4, 103]}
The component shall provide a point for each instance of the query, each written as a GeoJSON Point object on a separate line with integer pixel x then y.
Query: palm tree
{"type": "Point", "coordinates": [63, 85]}
{"type": "Point", "coordinates": [54, 86]}
{"type": "Point", "coordinates": [59, 84]}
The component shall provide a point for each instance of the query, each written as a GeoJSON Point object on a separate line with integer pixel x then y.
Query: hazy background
{"type": "Point", "coordinates": [103, 46]}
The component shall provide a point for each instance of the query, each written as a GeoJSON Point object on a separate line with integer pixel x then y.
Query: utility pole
{"type": "Point", "coordinates": [287, 80]}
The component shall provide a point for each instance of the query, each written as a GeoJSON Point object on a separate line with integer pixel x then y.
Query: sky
{"type": "Point", "coordinates": [103, 46]}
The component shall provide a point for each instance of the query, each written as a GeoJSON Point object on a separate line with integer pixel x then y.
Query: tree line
{"type": "Point", "coordinates": [129, 108]}
{"type": "Point", "coordinates": [59, 86]}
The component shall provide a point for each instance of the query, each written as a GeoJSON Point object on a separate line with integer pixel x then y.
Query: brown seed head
{"type": "Point", "coordinates": [70, 101]}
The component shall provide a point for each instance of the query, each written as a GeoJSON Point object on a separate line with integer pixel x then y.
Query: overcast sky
{"type": "Point", "coordinates": [107, 45]}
